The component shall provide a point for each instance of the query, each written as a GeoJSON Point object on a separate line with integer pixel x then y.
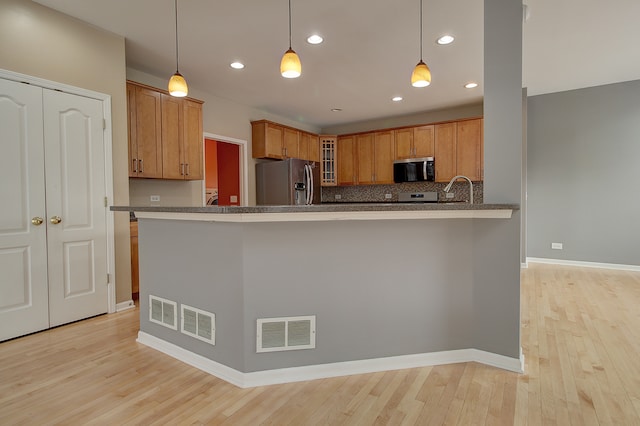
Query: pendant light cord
{"type": "Point", "coordinates": [420, 30]}
{"type": "Point", "coordinates": [176, 10]}
{"type": "Point", "coordinates": [290, 24]}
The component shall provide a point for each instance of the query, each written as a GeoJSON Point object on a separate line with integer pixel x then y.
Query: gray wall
{"type": "Point", "coordinates": [583, 173]}
{"type": "Point", "coordinates": [497, 243]}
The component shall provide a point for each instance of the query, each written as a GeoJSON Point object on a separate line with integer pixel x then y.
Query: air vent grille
{"type": "Point", "coordinates": [199, 324]}
{"type": "Point", "coordinates": [163, 312]}
{"type": "Point", "coordinates": [286, 334]}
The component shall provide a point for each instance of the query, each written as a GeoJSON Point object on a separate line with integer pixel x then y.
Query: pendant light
{"type": "Point", "coordinates": [177, 83]}
{"type": "Point", "coordinates": [290, 66]}
{"type": "Point", "coordinates": [421, 76]}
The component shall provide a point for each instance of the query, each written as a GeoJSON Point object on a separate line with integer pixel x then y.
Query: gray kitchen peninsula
{"type": "Point", "coordinates": [263, 295]}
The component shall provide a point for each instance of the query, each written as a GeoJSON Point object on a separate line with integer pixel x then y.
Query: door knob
{"type": "Point", "coordinates": [37, 221]}
{"type": "Point", "coordinates": [55, 220]}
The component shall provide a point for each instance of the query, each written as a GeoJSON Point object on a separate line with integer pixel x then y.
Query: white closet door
{"type": "Point", "coordinates": [76, 214]}
{"type": "Point", "coordinates": [23, 253]}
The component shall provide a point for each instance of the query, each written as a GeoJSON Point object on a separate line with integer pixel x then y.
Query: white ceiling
{"type": "Point", "coordinates": [370, 49]}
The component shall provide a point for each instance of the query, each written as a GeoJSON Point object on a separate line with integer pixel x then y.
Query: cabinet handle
{"type": "Point", "coordinates": [181, 169]}
{"type": "Point", "coordinates": [133, 165]}
{"type": "Point", "coordinates": [187, 169]}
{"type": "Point", "coordinates": [141, 166]}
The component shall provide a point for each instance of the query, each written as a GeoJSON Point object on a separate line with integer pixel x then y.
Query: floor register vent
{"type": "Point", "coordinates": [199, 324]}
{"type": "Point", "coordinates": [286, 334]}
{"type": "Point", "coordinates": [163, 312]}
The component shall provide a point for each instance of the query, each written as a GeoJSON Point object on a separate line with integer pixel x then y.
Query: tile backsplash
{"type": "Point", "coordinates": [376, 193]}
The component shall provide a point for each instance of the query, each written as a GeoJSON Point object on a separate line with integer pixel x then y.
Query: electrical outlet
{"type": "Point", "coordinates": [387, 196]}
{"type": "Point", "coordinates": [233, 199]}
{"type": "Point", "coordinates": [556, 246]}
{"type": "Point", "coordinates": [450, 195]}
{"type": "Point", "coordinates": [338, 197]}
{"type": "Point", "coordinates": [155, 198]}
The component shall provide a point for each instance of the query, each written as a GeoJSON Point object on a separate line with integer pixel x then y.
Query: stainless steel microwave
{"type": "Point", "coordinates": [414, 170]}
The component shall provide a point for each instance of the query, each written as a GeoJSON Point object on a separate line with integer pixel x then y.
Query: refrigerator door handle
{"type": "Point", "coordinates": [309, 178]}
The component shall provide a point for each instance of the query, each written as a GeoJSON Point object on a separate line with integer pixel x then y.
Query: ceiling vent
{"type": "Point", "coordinates": [286, 334]}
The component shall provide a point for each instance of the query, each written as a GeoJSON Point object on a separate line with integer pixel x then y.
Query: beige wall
{"type": "Point", "coordinates": [221, 117]}
{"type": "Point", "coordinates": [37, 41]}
{"type": "Point", "coordinates": [455, 113]}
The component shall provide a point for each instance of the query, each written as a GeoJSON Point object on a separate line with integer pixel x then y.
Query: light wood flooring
{"type": "Point", "coordinates": [580, 337]}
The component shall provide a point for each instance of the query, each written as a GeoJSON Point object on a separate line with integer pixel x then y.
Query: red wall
{"type": "Point", "coordinates": [228, 173]}
{"type": "Point", "coordinates": [211, 163]}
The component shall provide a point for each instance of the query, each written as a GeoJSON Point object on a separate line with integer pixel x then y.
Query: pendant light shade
{"type": "Point", "coordinates": [177, 83]}
{"type": "Point", "coordinates": [178, 86]}
{"type": "Point", "coordinates": [290, 66]}
{"type": "Point", "coordinates": [421, 76]}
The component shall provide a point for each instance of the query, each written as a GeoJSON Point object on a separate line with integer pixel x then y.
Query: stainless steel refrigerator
{"type": "Point", "coordinates": [287, 182]}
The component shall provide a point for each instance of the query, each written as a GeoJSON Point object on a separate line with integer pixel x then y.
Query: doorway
{"type": "Point", "coordinates": [224, 168]}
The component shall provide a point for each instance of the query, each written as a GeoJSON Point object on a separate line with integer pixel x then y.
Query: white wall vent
{"type": "Point", "coordinates": [286, 334]}
{"type": "Point", "coordinates": [199, 324]}
{"type": "Point", "coordinates": [163, 312]}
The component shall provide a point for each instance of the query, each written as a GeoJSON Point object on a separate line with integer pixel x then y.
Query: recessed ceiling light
{"type": "Point", "coordinates": [336, 109]}
{"type": "Point", "coordinates": [471, 85]}
{"type": "Point", "coordinates": [314, 39]}
{"type": "Point", "coordinates": [445, 39]}
{"type": "Point", "coordinates": [237, 65]}
{"type": "Point", "coordinates": [396, 98]}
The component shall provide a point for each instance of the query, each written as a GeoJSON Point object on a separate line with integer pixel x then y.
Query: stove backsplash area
{"type": "Point", "coordinates": [376, 193]}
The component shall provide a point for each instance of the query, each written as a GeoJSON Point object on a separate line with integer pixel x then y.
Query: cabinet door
{"type": "Point", "coordinates": [313, 144]}
{"type": "Point", "coordinates": [469, 149]}
{"type": "Point", "coordinates": [404, 143]}
{"type": "Point", "coordinates": [445, 151]}
{"type": "Point", "coordinates": [290, 143]}
{"type": "Point", "coordinates": [423, 141]}
{"type": "Point", "coordinates": [131, 127]}
{"type": "Point", "coordinates": [192, 140]}
{"type": "Point", "coordinates": [148, 133]}
{"type": "Point", "coordinates": [383, 157]}
{"type": "Point", "coordinates": [273, 141]}
{"type": "Point", "coordinates": [303, 146]}
{"type": "Point", "coordinates": [346, 156]}
{"type": "Point", "coordinates": [365, 158]}
{"type": "Point", "coordinates": [172, 127]}
{"type": "Point", "coordinates": [135, 271]}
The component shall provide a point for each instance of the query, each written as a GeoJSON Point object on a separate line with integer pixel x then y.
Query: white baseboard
{"type": "Point", "coordinates": [616, 266]}
{"type": "Point", "coordinates": [123, 306]}
{"type": "Point", "coordinates": [322, 371]}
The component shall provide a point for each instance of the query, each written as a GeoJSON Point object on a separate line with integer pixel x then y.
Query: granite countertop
{"type": "Point", "coordinates": [322, 208]}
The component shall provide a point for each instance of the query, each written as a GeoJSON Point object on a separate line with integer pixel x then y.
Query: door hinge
{"type": "Point", "coordinates": [108, 278]}
{"type": "Point", "coordinates": [105, 201]}
{"type": "Point", "coordinates": [104, 124]}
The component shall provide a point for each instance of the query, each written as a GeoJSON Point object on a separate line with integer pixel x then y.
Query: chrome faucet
{"type": "Point", "coordinates": [450, 184]}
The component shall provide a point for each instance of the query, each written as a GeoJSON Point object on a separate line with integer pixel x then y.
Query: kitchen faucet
{"type": "Point", "coordinates": [450, 184]}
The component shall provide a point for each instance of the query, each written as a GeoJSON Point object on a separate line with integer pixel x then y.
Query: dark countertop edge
{"type": "Point", "coordinates": [344, 207]}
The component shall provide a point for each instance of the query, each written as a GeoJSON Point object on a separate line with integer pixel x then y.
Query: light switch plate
{"type": "Point", "coordinates": [155, 198]}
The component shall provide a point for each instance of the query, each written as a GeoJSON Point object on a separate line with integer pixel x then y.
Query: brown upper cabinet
{"type": "Point", "coordinates": [346, 159]}
{"type": "Point", "coordinates": [309, 147]}
{"type": "Point", "coordinates": [145, 132]}
{"type": "Point", "coordinates": [414, 142]}
{"type": "Point", "coordinates": [459, 150]}
{"type": "Point", "coordinates": [273, 140]}
{"type": "Point", "coordinates": [165, 134]}
{"type": "Point", "coordinates": [366, 158]}
{"type": "Point", "coordinates": [470, 149]}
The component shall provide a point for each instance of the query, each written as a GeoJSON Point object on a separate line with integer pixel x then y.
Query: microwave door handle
{"type": "Point", "coordinates": [424, 170]}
